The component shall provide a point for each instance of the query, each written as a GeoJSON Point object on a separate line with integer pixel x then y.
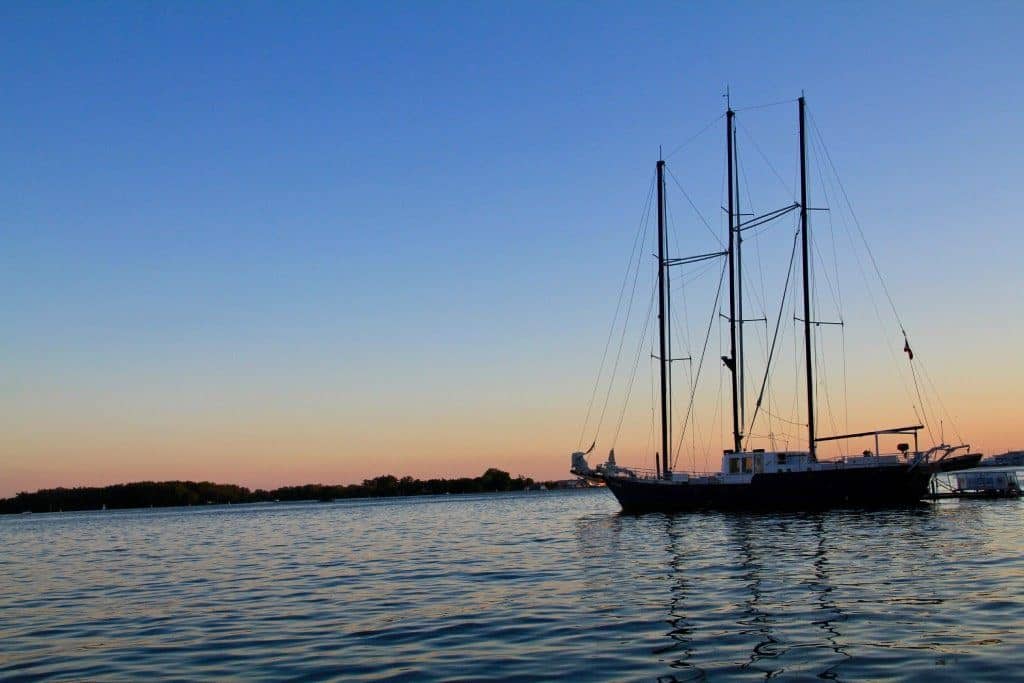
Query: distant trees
{"type": "Point", "coordinates": [496, 480]}
{"type": "Point", "coordinates": [173, 493]}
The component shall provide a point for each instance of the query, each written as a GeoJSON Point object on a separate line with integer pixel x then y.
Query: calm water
{"type": "Point", "coordinates": [548, 585]}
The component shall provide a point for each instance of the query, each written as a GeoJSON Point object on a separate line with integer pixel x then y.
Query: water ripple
{"type": "Point", "coordinates": [548, 586]}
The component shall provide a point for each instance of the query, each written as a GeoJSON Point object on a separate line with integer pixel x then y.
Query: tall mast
{"type": "Point", "coordinates": [741, 353]}
{"type": "Point", "coordinates": [662, 319]}
{"type": "Point", "coordinates": [807, 285]}
{"type": "Point", "coordinates": [731, 362]}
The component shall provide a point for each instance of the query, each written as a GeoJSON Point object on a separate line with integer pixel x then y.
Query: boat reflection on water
{"type": "Point", "coordinates": [683, 647]}
{"type": "Point", "coordinates": [829, 609]}
{"type": "Point", "coordinates": [754, 545]}
{"type": "Point", "coordinates": [832, 595]}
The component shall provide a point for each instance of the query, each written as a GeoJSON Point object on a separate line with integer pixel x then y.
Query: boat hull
{"type": "Point", "coordinates": [960, 462]}
{"type": "Point", "coordinates": [810, 490]}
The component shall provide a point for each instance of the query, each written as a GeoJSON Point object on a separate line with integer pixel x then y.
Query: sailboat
{"type": "Point", "coordinates": [759, 478]}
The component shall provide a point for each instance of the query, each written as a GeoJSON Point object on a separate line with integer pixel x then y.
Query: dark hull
{"type": "Point", "coordinates": [861, 487]}
{"type": "Point", "coordinates": [959, 462]}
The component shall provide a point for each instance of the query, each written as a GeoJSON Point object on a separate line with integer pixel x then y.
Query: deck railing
{"type": "Point", "coordinates": [645, 473]}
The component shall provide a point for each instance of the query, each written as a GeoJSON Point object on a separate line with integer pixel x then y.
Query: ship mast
{"type": "Point", "coordinates": [663, 353]}
{"type": "Point", "coordinates": [731, 361]}
{"type": "Point", "coordinates": [741, 354]}
{"type": "Point", "coordinates": [811, 443]}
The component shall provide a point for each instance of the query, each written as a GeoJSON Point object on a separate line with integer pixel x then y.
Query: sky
{"type": "Point", "coordinates": [278, 243]}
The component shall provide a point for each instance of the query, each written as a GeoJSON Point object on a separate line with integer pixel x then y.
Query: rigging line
{"type": "Point", "coordinates": [927, 404]}
{"type": "Point", "coordinates": [846, 394]}
{"type": "Point", "coordinates": [696, 433]}
{"type": "Point", "coordinates": [823, 386]}
{"type": "Point", "coordinates": [856, 222]}
{"type": "Point", "coordinates": [652, 436]}
{"type": "Point", "coordinates": [644, 217]}
{"type": "Point", "coordinates": [775, 336]}
{"type": "Point", "coordinates": [834, 291]}
{"type": "Point", "coordinates": [687, 279]}
{"type": "Point", "coordinates": [788, 188]}
{"type": "Point", "coordinates": [757, 248]}
{"type": "Point", "coordinates": [720, 406]}
{"type": "Point", "coordinates": [831, 224]}
{"type": "Point", "coordinates": [798, 386]}
{"type": "Point", "coordinates": [938, 396]}
{"type": "Point", "coordinates": [652, 440]}
{"type": "Point", "coordinates": [828, 281]}
{"type": "Point", "coordinates": [927, 422]}
{"type": "Point", "coordinates": [782, 419]}
{"type": "Point", "coordinates": [760, 266]}
{"type": "Point", "coordinates": [670, 228]}
{"type": "Point", "coordinates": [789, 335]}
{"type": "Point", "coordinates": [618, 353]}
{"type": "Point", "coordinates": [820, 357]}
{"type": "Point", "coordinates": [694, 206]}
{"type": "Point", "coordinates": [760, 229]}
{"type": "Point", "coordinates": [764, 296]}
{"type": "Point", "coordinates": [761, 339]}
{"type": "Point", "coordinates": [693, 137]}
{"type": "Point", "coordinates": [636, 363]}
{"type": "Point", "coordinates": [756, 296]}
{"type": "Point", "coordinates": [680, 289]}
{"type": "Point", "coordinates": [700, 365]}
{"type": "Point", "coordinates": [770, 344]}
{"type": "Point", "coordinates": [764, 435]}
{"type": "Point", "coordinates": [741, 182]}
{"type": "Point", "coordinates": [878, 314]}
{"type": "Point", "coordinates": [920, 420]}
{"type": "Point", "coordinates": [718, 413]}
{"type": "Point", "coordinates": [838, 294]}
{"type": "Point", "coordinates": [764, 106]}
{"type": "Point", "coordinates": [811, 313]}
{"type": "Point", "coordinates": [686, 331]}
{"type": "Point", "coordinates": [867, 247]}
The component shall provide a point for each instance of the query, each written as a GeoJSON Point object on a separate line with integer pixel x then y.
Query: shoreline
{"type": "Point", "coordinates": [177, 493]}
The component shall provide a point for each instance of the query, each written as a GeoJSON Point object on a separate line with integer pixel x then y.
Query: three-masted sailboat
{"type": "Point", "coordinates": [758, 478]}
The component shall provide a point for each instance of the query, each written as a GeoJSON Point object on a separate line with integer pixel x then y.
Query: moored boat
{"type": "Point", "coordinates": [956, 463]}
{"type": "Point", "coordinates": [758, 479]}
{"type": "Point", "coordinates": [1008, 459]}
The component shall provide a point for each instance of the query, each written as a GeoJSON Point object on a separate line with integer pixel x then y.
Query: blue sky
{"type": "Point", "coordinates": [338, 217]}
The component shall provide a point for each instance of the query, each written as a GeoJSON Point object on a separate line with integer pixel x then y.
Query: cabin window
{"type": "Point", "coordinates": [781, 457]}
{"type": "Point", "coordinates": [747, 467]}
{"type": "Point", "coordinates": [734, 465]}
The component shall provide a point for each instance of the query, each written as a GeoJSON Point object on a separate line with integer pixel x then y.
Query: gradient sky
{"type": "Point", "coordinates": [273, 243]}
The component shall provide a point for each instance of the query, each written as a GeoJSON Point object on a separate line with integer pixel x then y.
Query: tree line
{"type": "Point", "coordinates": [175, 493]}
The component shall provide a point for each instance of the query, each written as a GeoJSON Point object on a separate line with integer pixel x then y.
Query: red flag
{"type": "Point", "coordinates": [906, 348]}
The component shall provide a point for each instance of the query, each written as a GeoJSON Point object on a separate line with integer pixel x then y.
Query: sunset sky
{"type": "Point", "coordinates": [278, 243]}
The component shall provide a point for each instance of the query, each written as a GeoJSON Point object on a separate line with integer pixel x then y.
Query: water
{"type": "Point", "coordinates": [540, 585]}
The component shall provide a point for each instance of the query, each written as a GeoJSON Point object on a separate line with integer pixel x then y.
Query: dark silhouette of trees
{"type": "Point", "coordinates": [496, 480]}
{"type": "Point", "coordinates": [173, 493]}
